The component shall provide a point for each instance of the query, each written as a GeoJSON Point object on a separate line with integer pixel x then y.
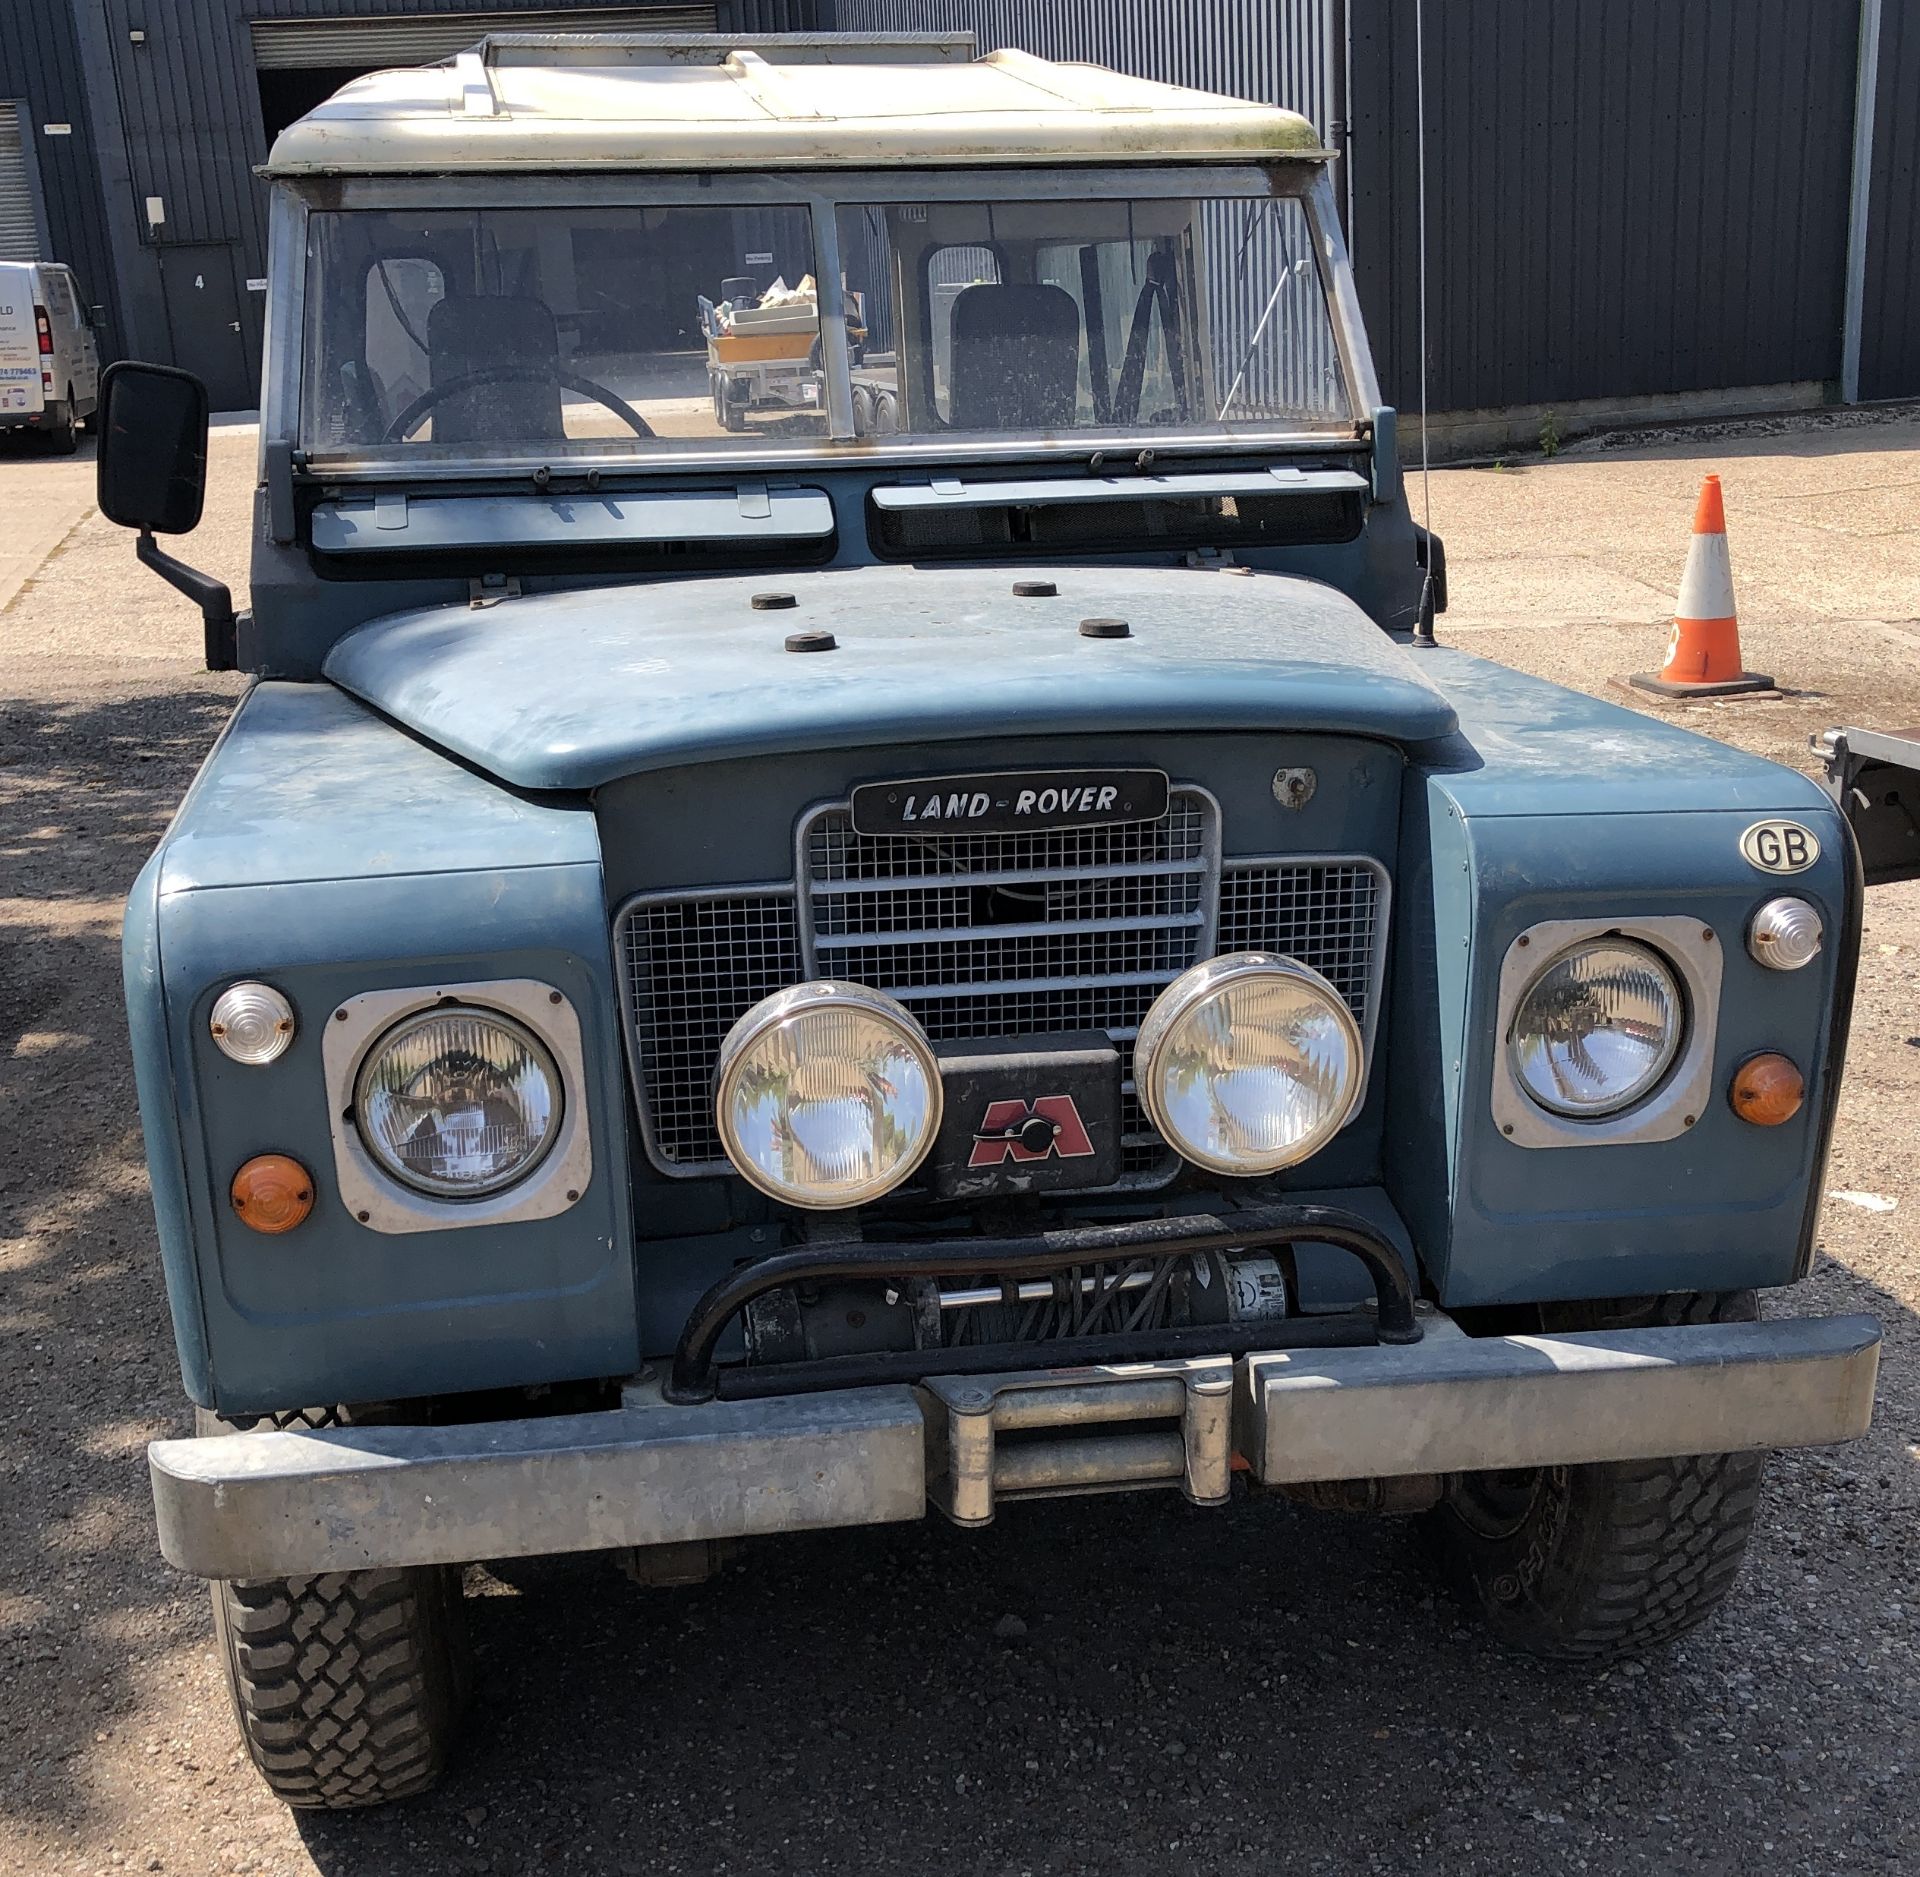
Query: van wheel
{"type": "Point", "coordinates": [1580, 1563]}
{"type": "Point", "coordinates": [63, 439]}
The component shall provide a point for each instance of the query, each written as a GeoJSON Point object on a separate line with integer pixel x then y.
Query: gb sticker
{"type": "Point", "coordinates": [1780, 847]}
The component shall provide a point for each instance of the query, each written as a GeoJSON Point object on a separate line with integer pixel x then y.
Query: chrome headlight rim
{"type": "Point", "coordinates": [375, 1202]}
{"type": "Point", "coordinates": [1197, 986]}
{"type": "Point", "coordinates": [754, 1026]}
{"type": "Point", "coordinates": [460, 1193]}
{"type": "Point", "coordinates": [1645, 1088]}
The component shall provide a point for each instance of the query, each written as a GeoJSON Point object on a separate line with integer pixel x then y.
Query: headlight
{"type": "Point", "coordinates": [1597, 1029]}
{"type": "Point", "coordinates": [458, 1102]}
{"type": "Point", "coordinates": [1249, 1063]}
{"type": "Point", "coordinates": [827, 1095]}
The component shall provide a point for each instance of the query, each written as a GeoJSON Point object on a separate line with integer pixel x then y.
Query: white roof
{"type": "Point", "coordinates": [654, 101]}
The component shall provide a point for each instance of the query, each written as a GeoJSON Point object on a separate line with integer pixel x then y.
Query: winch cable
{"type": "Point", "coordinates": [1423, 620]}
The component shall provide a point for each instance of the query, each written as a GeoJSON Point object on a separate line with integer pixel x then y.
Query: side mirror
{"type": "Point", "coordinates": [153, 447]}
{"type": "Point", "coordinates": [96, 317]}
{"type": "Point", "coordinates": [153, 476]}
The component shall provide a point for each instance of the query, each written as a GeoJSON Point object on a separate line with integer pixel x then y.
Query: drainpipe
{"type": "Point", "coordinates": [1867, 85]}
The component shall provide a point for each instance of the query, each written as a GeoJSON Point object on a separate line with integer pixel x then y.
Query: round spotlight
{"type": "Point", "coordinates": [458, 1102]}
{"type": "Point", "coordinates": [252, 1023]}
{"type": "Point", "coordinates": [1785, 934]}
{"type": "Point", "coordinates": [1249, 1063]}
{"type": "Point", "coordinates": [1597, 1029]}
{"type": "Point", "coordinates": [827, 1095]}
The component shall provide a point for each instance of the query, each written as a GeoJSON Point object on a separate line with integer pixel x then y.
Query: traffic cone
{"type": "Point", "coordinates": [1703, 655]}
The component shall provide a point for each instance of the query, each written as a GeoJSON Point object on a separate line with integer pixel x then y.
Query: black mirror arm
{"type": "Point", "coordinates": [210, 595]}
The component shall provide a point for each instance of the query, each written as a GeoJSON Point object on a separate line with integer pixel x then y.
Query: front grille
{"type": "Point", "coordinates": [691, 965]}
{"type": "Point", "coordinates": [980, 935]}
{"type": "Point", "coordinates": [1019, 934]}
{"type": "Point", "coordinates": [1324, 913]}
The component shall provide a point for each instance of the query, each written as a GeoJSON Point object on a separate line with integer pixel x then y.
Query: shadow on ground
{"type": "Point", "coordinates": [85, 790]}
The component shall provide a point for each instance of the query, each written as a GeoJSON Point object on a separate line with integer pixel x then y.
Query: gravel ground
{"type": "Point", "coordinates": [1113, 1686]}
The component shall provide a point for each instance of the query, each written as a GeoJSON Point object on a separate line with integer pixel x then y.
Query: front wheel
{"type": "Point", "coordinates": [347, 1687]}
{"type": "Point", "coordinates": [1580, 1563]}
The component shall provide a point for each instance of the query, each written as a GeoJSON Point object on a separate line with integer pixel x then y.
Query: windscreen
{"type": "Point", "coordinates": [1089, 315]}
{"type": "Point", "coordinates": [560, 331]}
{"type": "Point", "coordinates": [644, 331]}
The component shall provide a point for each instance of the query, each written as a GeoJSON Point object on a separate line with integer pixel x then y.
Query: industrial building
{"type": "Point", "coordinates": [1634, 210]}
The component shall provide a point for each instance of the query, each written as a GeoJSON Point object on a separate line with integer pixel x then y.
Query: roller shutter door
{"type": "Point", "coordinates": [19, 231]}
{"type": "Point", "coordinates": [418, 39]}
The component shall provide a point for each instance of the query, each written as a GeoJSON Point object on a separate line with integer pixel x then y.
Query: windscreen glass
{"type": "Point", "coordinates": [1088, 315]}
{"type": "Point", "coordinates": [641, 331]}
{"type": "Point", "coordinates": [559, 331]}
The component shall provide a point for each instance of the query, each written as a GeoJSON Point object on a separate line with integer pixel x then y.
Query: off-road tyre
{"type": "Point", "coordinates": [348, 1688]}
{"type": "Point", "coordinates": [1583, 1563]}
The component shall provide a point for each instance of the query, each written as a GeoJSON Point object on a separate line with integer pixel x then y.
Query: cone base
{"type": "Point", "coordinates": [1747, 681]}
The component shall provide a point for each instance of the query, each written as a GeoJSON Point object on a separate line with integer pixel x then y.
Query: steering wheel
{"type": "Point", "coordinates": [408, 421]}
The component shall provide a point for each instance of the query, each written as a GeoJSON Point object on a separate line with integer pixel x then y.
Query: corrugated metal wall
{"type": "Point", "coordinates": [1890, 332]}
{"type": "Point", "coordinates": [40, 68]}
{"type": "Point", "coordinates": [1275, 50]}
{"type": "Point", "coordinates": [1625, 196]}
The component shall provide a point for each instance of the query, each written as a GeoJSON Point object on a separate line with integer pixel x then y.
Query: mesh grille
{"type": "Point", "coordinates": [693, 967]}
{"type": "Point", "coordinates": [981, 935]}
{"type": "Point", "coordinates": [1326, 914]}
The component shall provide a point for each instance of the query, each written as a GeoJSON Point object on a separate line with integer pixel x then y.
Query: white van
{"type": "Point", "coordinates": [49, 359]}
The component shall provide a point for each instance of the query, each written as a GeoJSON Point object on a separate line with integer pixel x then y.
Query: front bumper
{"type": "Point", "coordinates": [273, 1504]}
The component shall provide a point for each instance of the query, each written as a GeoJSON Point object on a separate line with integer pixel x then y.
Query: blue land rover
{"type": "Point", "coordinates": [852, 881]}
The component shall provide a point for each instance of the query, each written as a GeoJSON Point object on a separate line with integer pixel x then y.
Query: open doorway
{"type": "Point", "coordinates": [302, 62]}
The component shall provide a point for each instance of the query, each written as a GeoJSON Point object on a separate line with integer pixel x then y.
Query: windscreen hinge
{"type": "Point", "coordinates": [491, 589]}
{"type": "Point", "coordinates": [756, 504]}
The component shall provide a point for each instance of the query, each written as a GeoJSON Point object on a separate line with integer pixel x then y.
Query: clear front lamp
{"type": "Point", "coordinates": [1249, 1063]}
{"type": "Point", "coordinates": [1597, 1029]}
{"type": "Point", "coordinates": [458, 1102]}
{"type": "Point", "coordinates": [827, 1095]}
{"type": "Point", "coordinates": [1785, 935]}
{"type": "Point", "coordinates": [252, 1023]}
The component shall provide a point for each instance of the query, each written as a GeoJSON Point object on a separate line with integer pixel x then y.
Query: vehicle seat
{"type": "Point", "coordinates": [1016, 358]}
{"type": "Point", "coordinates": [476, 333]}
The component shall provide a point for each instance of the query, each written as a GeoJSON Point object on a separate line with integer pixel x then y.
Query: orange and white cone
{"type": "Point", "coordinates": [1703, 655]}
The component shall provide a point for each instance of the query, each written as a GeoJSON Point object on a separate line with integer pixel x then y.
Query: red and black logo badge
{"type": "Point", "coordinates": [1027, 1131]}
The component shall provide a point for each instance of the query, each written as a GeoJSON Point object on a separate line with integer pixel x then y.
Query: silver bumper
{"type": "Point", "coordinates": [284, 1504]}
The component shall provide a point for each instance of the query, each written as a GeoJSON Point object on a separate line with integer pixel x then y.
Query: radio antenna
{"type": "Point", "coordinates": [1423, 620]}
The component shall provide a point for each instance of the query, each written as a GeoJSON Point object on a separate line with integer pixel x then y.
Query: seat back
{"type": "Point", "coordinates": [1016, 358]}
{"type": "Point", "coordinates": [477, 333]}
